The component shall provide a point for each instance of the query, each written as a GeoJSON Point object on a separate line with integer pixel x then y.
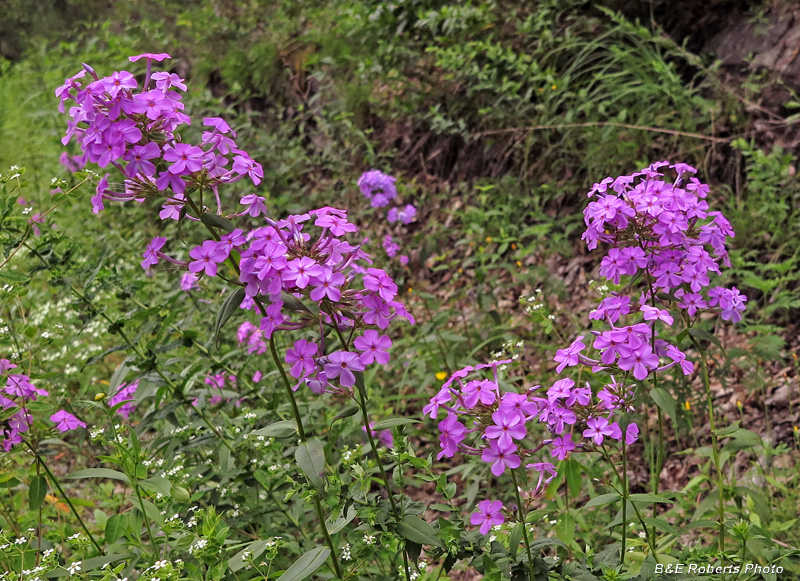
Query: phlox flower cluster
{"type": "Point", "coordinates": [16, 395]}
{"type": "Point", "coordinates": [662, 229]}
{"type": "Point", "coordinates": [134, 130]}
{"type": "Point", "coordinates": [380, 189]}
{"type": "Point", "coordinates": [283, 269]}
{"type": "Point", "coordinates": [219, 381]}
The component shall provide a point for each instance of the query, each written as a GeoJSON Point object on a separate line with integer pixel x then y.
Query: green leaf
{"type": "Point", "coordinates": [665, 401]}
{"type": "Point", "coordinates": [346, 413]}
{"type": "Point", "coordinates": [227, 309]}
{"type": "Point", "coordinates": [37, 490]}
{"type": "Point", "coordinates": [514, 539]}
{"type": "Point", "coordinates": [706, 336]}
{"type": "Point", "coordinates": [650, 498]}
{"type": "Point", "coordinates": [99, 473]}
{"type": "Point", "coordinates": [214, 221]}
{"type": "Point", "coordinates": [255, 549]}
{"type": "Point", "coordinates": [573, 474]}
{"type": "Point", "coordinates": [115, 527]}
{"type": "Point", "coordinates": [415, 529]}
{"type": "Point", "coordinates": [13, 277]}
{"type": "Point", "coordinates": [305, 566]}
{"type": "Point", "coordinates": [602, 500]}
{"type": "Point", "coordinates": [393, 422]}
{"type": "Point", "coordinates": [282, 429]}
{"type": "Point", "coordinates": [310, 458]}
{"type": "Point", "coordinates": [157, 484]}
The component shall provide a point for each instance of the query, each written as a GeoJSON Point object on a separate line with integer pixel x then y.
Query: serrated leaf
{"type": "Point", "coordinates": [417, 530]}
{"type": "Point", "coordinates": [310, 458]}
{"type": "Point", "coordinates": [227, 309]}
{"type": "Point", "coordinates": [392, 422]}
{"type": "Point", "coordinates": [214, 221]}
{"type": "Point", "coordinates": [37, 490]}
{"type": "Point", "coordinates": [305, 566]}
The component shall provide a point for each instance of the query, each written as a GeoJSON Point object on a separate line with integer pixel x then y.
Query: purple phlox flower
{"type": "Point", "coordinates": [559, 417]}
{"type": "Point", "coordinates": [374, 347]}
{"type": "Point", "coordinates": [378, 281]}
{"type": "Point", "coordinates": [543, 468]}
{"type": "Point", "coordinates": [6, 365]}
{"type": "Point", "coordinates": [730, 301]}
{"type": "Point", "coordinates": [245, 166]}
{"type": "Point", "coordinates": [507, 427]}
{"type": "Point", "coordinates": [489, 514]}
{"type": "Point", "coordinates": [167, 179]}
{"type": "Point", "coordinates": [301, 271]}
{"type": "Point", "coordinates": [206, 257]}
{"type": "Point", "coordinates": [681, 168]}
{"type": "Point", "coordinates": [612, 308]}
{"type": "Point", "coordinates": [653, 314]}
{"type": "Point", "coordinates": [518, 403]}
{"type": "Point", "coordinates": [165, 81]}
{"type": "Point", "coordinates": [185, 158]}
{"type": "Point", "coordinates": [301, 357]}
{"type": "Point", "coordinates": [390, 246]}
{"type": "Point", "coordinates": [343, 364]}
{"type": "Point", "coordinates": [272, 320]}
{"type": "Point", "coordinates": [679, 357]}
{"type": "Point", "coordinates": [402, 259]}
{"type": "Point", "coordinates": [126, 393]}
{"type": "Point", "coordinates": [139, 157]}
{"type": "Point", "coordinates": [597, 429]}
{"type": "Point", "coordinates": [327, 286]}
{"type": "Point", "coordinates": [442, 398]}
{"type": "Point", "coordinates": [569, 357]}
{"type": "Point", "coordinates": [338, 225]}
{"type": "Point", "coordinates": [151, 252]}
{"type": "Point", "coordinates": [318, 383]}
{"type": "Point", "coordinates": [479, 390]}
{"type": "Point", "coordinates": [562, 446]}
{"type": "Point", "coordinates": [500, 457]}
{"type": "Point", "coordinates": [231, 240]}
{"type": "Point", "coordinates": [697, 187]}
{"type": "Point", "coordinates": [580, 395]}
{"type": "Point", "coordinates": [65, 421]}
{"type": "Point", "coordinates": [561, 389]}
{"type": "Point", "coordinates": [217, 123]}
{"type": "Point", "coordinates": [188, 281]}
{"type": "Point", "coordinates": [640, 360]}
{"type": "Point", "coordinates": [158, 57]}
{"type": "Point", "coordinates": [255, 205]}
{"type": "Point", "coordinates": [376, 182]}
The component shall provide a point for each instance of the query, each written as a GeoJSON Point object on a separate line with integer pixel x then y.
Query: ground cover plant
{"type": "Point", "coordinates": [241, 337]}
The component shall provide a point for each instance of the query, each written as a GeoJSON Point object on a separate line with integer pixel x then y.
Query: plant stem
{"type": "Point", "coordinates": [362, 402]}
{"type": "Point", "coordinates": [714, 445]}
{"type": "Point", "coordinates": [524, 526]}
{"type": "Point", "coordinates": [624, 500]}
{"type": "Point", "coordinates": [55, 482]}
{"type": "Point", "coordinates": [302, 434]}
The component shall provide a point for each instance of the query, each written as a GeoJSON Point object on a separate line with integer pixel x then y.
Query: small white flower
{"type": "Point", "coordinates": [74, 567]}
{"type": "Point", "coordinates": [368, 539]}
{"type": "Point", "coordinates": [346, 556]}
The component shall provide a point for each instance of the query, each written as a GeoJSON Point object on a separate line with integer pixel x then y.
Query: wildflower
{"type": "Point", "coordinates": [489, 513]}
{"type": "Point", "coordinates": [206, 257]}
{"type": "Point", "coordinates": [65, 421]}
{"type": "Point", "coordinates": [374, 347]}
{"type": "Point", "coordinates": [73, 568]}
{"type": "Point", "coordinates": [343, 364]}
{"type": "Point", "coordinates": [441, 375]}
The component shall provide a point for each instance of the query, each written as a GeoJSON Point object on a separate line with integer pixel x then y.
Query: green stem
{"type": "Point", "coordinates": [624, 500]}
{"type": "Point", "coordinates": [362, 402]}
{"type": "Point", "coordinates": [524, 526]}
{"type": "Point", "coordinates": [301, 432]}
{"type": "Point", "coordinates": [55, 482]}
{"type": "Point", "coordinates": [714, 445]}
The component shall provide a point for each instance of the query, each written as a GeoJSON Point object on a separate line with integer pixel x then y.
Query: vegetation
{"type": "Point", "coordinates": [155, 430]}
